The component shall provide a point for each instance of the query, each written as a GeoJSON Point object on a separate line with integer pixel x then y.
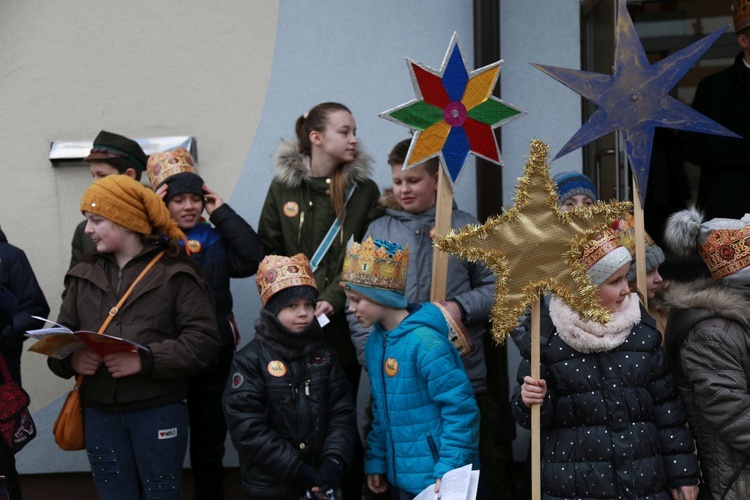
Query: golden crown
{"type": "Point", "coordinates": [595, 250]}
{"type": "Point", "coordinates": [726, 251]}
{"type": "Point", "coordinates": [740, 15]}
{"type": "Point", "coordinates": [625, 229]}
{"type": "Point", "coordinates": [161, 166]}
{"type": "Point", "coordinates": [276, 272]}
{"type": "Point", "coordinates": [376, 265]}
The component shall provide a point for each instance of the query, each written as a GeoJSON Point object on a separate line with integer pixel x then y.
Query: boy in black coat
{"type": "Point", "coordinates": [288, 404]}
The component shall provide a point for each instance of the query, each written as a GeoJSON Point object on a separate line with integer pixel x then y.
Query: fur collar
{"type": "Point", "coordinates": [713, 296]}
{"type": "Point", "coordinates": [589, 336]}
{"type": "Point", "coordinates": [388, 200]}
{"type": "Point", "coordinates": [292, 166]}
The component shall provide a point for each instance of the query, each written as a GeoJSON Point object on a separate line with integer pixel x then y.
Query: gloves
{"type": "Point", "coordinates": [330, 473]}
{"type": "Point", "coordinates": [308, 477]}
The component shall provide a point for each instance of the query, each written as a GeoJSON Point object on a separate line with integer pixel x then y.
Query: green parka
{"type": "Point", "coordinates": [298, 213]}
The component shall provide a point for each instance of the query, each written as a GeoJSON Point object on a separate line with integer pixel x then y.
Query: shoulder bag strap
{"type": "Point", "coordinates": [116, 309]}
{"type": "Point", "coordinates": [330, 235]}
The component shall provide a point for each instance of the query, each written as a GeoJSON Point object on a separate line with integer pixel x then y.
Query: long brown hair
{"type": "Point", "coordinates": [316, 120]}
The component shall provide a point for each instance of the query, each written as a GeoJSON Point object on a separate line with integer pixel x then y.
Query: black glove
{"type": "Point", "coordinates": [308, 477]}
{"type": "Point", "coordinates": [330, 473]}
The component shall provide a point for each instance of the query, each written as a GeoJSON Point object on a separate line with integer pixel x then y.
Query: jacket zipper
{"type": "Point", "coordinates": [385, 407]}
{"type": "Point", "coordinates": [301, 222]}
{"type": "Point", "coordinates": [119, 281]}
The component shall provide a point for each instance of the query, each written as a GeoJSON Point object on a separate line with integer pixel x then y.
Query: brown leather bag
{"type": "Point", "coordinates": [68, 428]}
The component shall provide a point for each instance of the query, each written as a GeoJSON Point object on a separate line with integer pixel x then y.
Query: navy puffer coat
{"type": "Point", "coordinates": [613, 425]}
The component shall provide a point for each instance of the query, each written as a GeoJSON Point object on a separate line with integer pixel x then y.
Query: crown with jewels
{"type": "Point", "coordinates": [376, 264]}
{"type": "Point", "coordinates": [740, 15]}
{"type": "Point", "coordinates": [726, 251]}
{"type": "Point", "coordinates": [161, 166]}
{"type": "Point", "coordinates": [625, 229]}
{"type": "Point", "coordinates": [594, 250]}
{"type": "Point", "coordinates": [276, 272]}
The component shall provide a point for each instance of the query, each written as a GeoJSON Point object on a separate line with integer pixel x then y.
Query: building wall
{"type": "Point", "coordinates": [235, 75]}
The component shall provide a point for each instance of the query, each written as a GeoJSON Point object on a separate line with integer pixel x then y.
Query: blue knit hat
{"type": "Point", "coordinates": [573, 183]}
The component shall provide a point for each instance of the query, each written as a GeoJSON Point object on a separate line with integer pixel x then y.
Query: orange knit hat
{"type": "Point", "coordinates": [130, 204]}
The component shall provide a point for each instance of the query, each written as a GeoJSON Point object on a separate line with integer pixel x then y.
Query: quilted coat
{"type": "Point", "coordinates": [613, 425]}
{"type": "Point", "coordinates": [708, 343]}
{"type": "Point", "coordinates": [425, 417]}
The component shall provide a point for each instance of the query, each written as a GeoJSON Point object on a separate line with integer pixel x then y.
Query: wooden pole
{"type": "Point", "coordinates": [443, 214]}
{"type": "Point", "coordinates": [536, 456]}
{"type": "Point", "coordinates": [640, 244]}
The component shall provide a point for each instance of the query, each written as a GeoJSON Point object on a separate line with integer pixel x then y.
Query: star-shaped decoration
{"type": "Point", "coordinates": [534, 247]}
{"type": "Point", "coordinates": [454, 113]}
{"type": "Point", "coordinates": [635, 98]}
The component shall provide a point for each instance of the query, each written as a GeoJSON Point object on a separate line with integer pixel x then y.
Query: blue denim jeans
{"type": "Point", "coordinates": [137, 452]}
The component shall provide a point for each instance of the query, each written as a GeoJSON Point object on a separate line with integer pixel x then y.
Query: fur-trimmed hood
{"type": "Point", "coordinates": [292, 166]}
{"type": "Point", "coordinates": [712, 297]}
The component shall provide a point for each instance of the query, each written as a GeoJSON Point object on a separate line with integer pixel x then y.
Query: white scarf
{"type": "Point", "coordinates": [590, 336]}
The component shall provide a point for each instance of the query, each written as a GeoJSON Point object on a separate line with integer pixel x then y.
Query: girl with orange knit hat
{"type": "Point", "coordinates": [135, 418]}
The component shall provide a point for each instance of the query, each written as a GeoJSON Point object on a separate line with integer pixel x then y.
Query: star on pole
{"type": "Point", "coordinates": [635, 99]}
{"type": "Point", "coordinates": [454, 114]}
{"type": "Point", "coordinates": [534, 247]}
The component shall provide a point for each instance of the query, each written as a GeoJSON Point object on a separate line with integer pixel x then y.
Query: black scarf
{"type": "Point", "coordinates": [291, 345]}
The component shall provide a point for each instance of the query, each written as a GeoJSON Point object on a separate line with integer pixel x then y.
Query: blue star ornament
{"type": "Point", "coordinates": [635, 98]}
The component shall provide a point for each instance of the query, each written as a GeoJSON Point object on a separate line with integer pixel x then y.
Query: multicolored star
{"type": "Point", "coordinates": [454, 114]}
{"type": "Point", "coordinates": [635, 98]}
{"type": "Point", "coordinates": [534, 247]}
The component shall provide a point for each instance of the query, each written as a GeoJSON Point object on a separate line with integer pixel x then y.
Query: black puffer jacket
{"type": "Point", "coordinates": [612, 423]}
{"type": "Point", "coordinates": [708, 343]}
{"type": "Point", "coordinates": [287, 405]}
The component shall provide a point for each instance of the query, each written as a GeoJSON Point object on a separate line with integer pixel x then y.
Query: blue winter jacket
{"type": "Point", "coordinates": [425, 417]}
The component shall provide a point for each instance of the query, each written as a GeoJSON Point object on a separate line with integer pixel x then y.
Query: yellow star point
{"type": "Point", "coordinates": [534, 247]}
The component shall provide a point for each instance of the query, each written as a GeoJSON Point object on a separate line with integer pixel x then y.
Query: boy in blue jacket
{"type": "Point", "coordinates": [425, 417]}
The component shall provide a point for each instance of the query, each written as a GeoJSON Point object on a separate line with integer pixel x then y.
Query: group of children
{"type": "Point", "coordinates": [613, 423]}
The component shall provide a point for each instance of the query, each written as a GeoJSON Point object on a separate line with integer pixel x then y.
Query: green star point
{"type": "Point", "coordinates": [419, 115]}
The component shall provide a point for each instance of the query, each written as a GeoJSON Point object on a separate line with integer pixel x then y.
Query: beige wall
{"type": "Point", "coordinates": [139, 68]}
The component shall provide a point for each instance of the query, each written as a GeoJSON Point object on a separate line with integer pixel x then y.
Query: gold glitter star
{"type": "Point", "coordinates": [534, 247]}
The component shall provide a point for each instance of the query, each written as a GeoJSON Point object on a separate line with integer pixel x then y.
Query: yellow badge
{"type": "Point", "coordinates": [391, 367]}
{"type": "Point", "coordinates": [432, 233]}
{"type": "Point", "coordinates": [194, 246]}
{"type": "Point", "coordinates": [291, 209]}
{"type": "Point", "coordinates": [276, 368]}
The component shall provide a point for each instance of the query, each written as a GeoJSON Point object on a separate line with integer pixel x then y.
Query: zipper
{"type": "Point", "coordinates": [119, 281]}
{"type": "Point", "coordinates": [301, 222]}
{"type": "Point", "coordinates": [385, 405]}
{"type": "Point", "coordinates": [307, 387]}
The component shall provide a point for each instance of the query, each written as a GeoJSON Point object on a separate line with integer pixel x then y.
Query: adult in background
{"type": "Point", "coordinates": [724, 161]}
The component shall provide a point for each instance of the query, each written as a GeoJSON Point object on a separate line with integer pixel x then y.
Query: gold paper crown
{"type": "Point", "coordinates": [161, 166]}
{"type": "Point", "coordinates": [740, 15]}
{"type": "Point", "coordinates": [594, 250]}
{"type": "Point", "coordinates": [625, 229]}
{"type": "Point", "coordinates": [726, 251]}
{"type": "Point", "coordinates": [368, 264]}
{"type": "Point", "coordinates": [276, 272]}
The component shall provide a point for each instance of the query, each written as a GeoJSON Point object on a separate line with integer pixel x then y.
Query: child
{"type": "Point", "coordinates": [135, 419]}
{"type": "Point", "coordinates": [288, 404]}
{"type": "Point", "coordinates": [625, 228]}
{"type": "Point", "coordinates": [425, 417]}
{"type": "Point", "coordinates": [322, 181]}
{"type": "Point", "coordinates": [612, 423]}
{"type": "Point", "coordinates": [410, 220]}
{"type": "Point", "coordinates": [231, 249]}
{"type": "Point", "coordinates": [708, 345]}
{"type": "Point", "coordinates": [574, 190]}
{"type": "Point", "coordinates": [112, 154]}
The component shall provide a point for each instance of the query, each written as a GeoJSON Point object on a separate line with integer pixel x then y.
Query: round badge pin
{"type": "Point", "coordinates": [291, 209]}
{"type": "Point", "coordinates": [276, 368]}
{"type": "Point", "coordinates": [194, 246]}
{"type": "Point", "coordinates": [237, 380]}
{"type": "Point", "coordinates": [391, 367]}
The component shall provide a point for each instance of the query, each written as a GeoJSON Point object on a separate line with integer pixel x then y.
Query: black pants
{"type": "Point", "coordinates": [353, 480]}
{"type": "Point", "coordinates": [208, 429]}
{"type": "Point", "coordinates": [8, 469]}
